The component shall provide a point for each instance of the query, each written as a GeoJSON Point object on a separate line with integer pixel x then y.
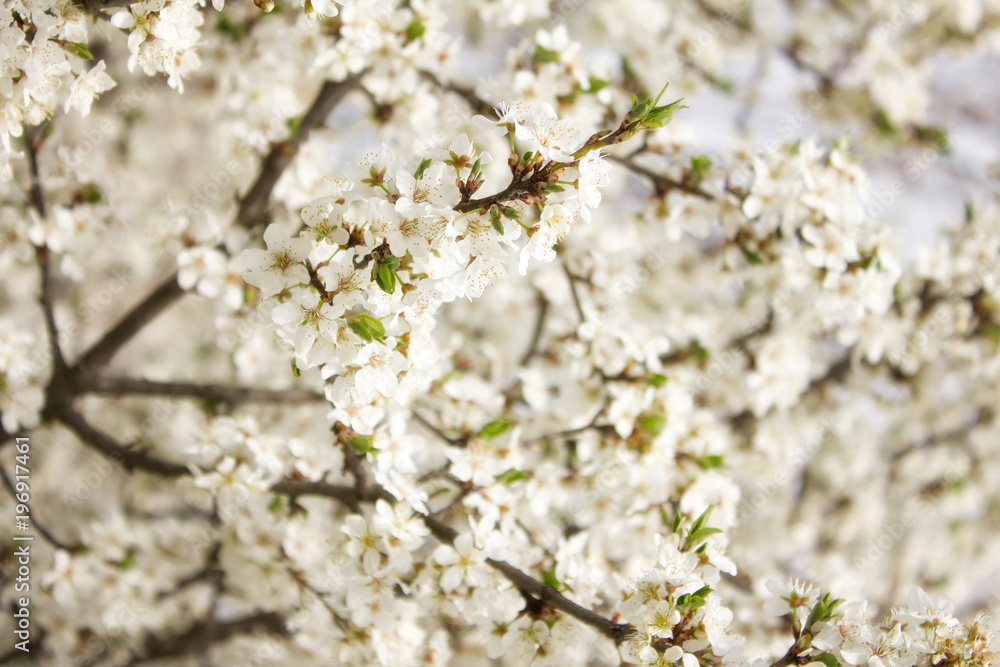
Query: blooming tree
{"type": "Point", "coordinates": [408, 332]}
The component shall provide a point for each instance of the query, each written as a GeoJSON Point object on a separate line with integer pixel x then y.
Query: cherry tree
{"type": "Point", "coordinates": [380, 332]}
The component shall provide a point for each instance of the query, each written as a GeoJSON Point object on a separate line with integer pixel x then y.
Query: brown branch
{"type": "Point", "coordinates": [661, 184]}
{"type": "Point", "coordinates": [346, 495]}
{"type": "Point", "coordinates": [528, 584]}
{"type": "Point", "coordinates": [572, 290]}
{"type": "Point", "coordinates": [523, 187]}
{"type": "Point", "coordinates": [48, 536]}
{"type": "Point", "coordinates": [202, 635]}
{"type": "Point", "coordinates": [255, 201]}
{"type": "Point", "coordinates": [101, 352]}
{"type": "Point", "coordinates": [96, 7]}
{"type": "Point", "coordinates": [435, 430]}
{"type": "Point", "coordinates": [137, 460]}
{"type": "Point", "coordinates": [210, 572]}
{"type": "Point", "coordinates": [536, 334]}
{"type": "Point", "coordinates": [123, 386]}
{"type": "Point", "coordinates": [131, 459]}
{"type": "Point", "coordinates": [478, 104]}
{"type": "Point", "coordinates": [33, 137]}
{"type": "Point", "coordinates": [251, 209]}
{"type": "Point", "coordinates": [349, 496]}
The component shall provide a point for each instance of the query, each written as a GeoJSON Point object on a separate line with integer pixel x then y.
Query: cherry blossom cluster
{"type": "Point", "coordinates": [350, 355]}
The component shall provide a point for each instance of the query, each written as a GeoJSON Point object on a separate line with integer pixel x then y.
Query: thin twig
{"type": "Point", "coordinates": [45, 533]}
{"type": "Point", "coordinates": [434, 429]}
{"type": "Point", "coordinates": [536, 335]}
{"type": "Point", "coordinates": [661, 184]}
{"type": "Point", "coordinates": [32, 142]}
{"type": "Point", "coordinates": [524, 582]}
{"type": "Point", "coordinates": [572, 291]}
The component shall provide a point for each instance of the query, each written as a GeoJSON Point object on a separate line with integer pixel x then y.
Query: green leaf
{"type": "Point", "coordinates": [78, 49]}
{"type": "Point", "coordinates": [694, 601]}
{"type": "Point", "coordinates": [544, 55]}
{"type": "Point", "coordinates": [700, 164]}
{"type": "Point", "coordinates": [549, 579]}
{"type": "Point", "coordinates": [595, 85]}
{"type": "Point", "coordinates": [90, 193]}
{"type": "Point", "coordinates": [276, 504]}
{"type": "Point", "coordinates": [510, 212]}
{"type": "Point", "coordinates": [698, 352]}
{"type": "Point", "coordinates": [415, 30]}
{"type": "Point", "coordinates": [511, 475]}
{"type": "Point", "coordinates": [712, 461]}
{"type": "Point", "coordinates": [657, 380]}
{"type": "Point", "coordinates": [639, 110]}
{"type": "Point", "coordinates": [658, 117]}
{"type": "Point", "coordinates": [653, 424]}
{"type": "Point", "coordinates": [495, 428]}
{"type": "Point", "coordinates": [702, 592]}
{"type": "Point", "coordinates": [386, 278]}
{"type": "Point", "coordinates": [495, 219]}
{"type": "Point", "coordinates": [424, 164]}
{"type": "Point", "coordinates": [363, 444]}
{"type": "Point", "coordinates": [126, 563]}
{"type": "Point", "coordinates": [750, 255]}
{"type": "Point", "coordinates": [992, 333]}
{"type": "Point", "coordinates": [701, 520]}
{"type": "Point", "coordinates": [664, 518]}
{"type": "Point", "coordinates": [368, 327]}
{"type": "Point", "coordinates": [884, 125]}
{"type": "Point", "coordinates": [819, 611]}
{"type": "Point", "coordinates": [294, 124]}
{"type": "Point", "coordinates": [698, 536]}
{"type": "Point", "coordinates": [935, 136]}
{"type": "Point", "coordinates": [295, 369]}
{"type": "Point", "coordinates": [227, 27]}
{"type": "Point", "coordinates": [827, 659]}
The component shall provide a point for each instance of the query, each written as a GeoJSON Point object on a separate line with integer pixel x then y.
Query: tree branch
{"type": "Point", "coordinates": [661, 184]}
{"type": "Point", "coordinates": [528, 584]}
{"type": "Point", "coordinates": [101, 352]}
{"type": "Point", "coordinates": [351, 497]}
{"type": "Point", "coordinates": [123, 386]}
{"type": "Point", "coordinates": [131, 459]}
{"type": "Point", "coordinates": [202, 635]}
{"type": "Point", "coordinates": [251, 209]}
{"type": "Point", "coordinates": [48, 536]}
{"type": "Point", "coordinates": [255, 201]}
{"type": "Point", "coordinates": [536, 335]}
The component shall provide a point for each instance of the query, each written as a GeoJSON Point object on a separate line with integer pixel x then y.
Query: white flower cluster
{"type": "Point", "coordinates": [162, 36]}
{"type": "Point", "coordinates": [360, 287]}
{"type": "Point", "coordinates": [42, 44]}
{"type": "Point", "coordinates": [510, 389]}
{"type": "Point", "coordinates": [21, 382]}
